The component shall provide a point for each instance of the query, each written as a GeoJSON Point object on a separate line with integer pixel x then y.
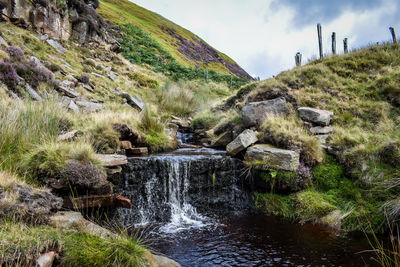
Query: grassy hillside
{"type": "Point", "coordinates": [123, 11]}
{"type": "Point", "coordinates": [359, 173]}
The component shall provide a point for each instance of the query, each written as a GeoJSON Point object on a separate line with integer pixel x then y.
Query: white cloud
{"type": "Point", "coordinates": [264, 40]}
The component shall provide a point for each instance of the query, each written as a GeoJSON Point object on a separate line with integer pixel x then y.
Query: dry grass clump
{"type": "Point", "coordinates": [289, 132]}
{"type": "Point", "coordinates": [185, 98]}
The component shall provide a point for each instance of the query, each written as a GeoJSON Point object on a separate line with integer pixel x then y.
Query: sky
{"type": "Point", "coordinates": [263, 36]}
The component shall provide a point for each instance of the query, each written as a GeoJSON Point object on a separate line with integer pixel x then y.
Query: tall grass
{"type": "Point", "coordinates": [25, 125]}
{"type": "Point", "coordinates": [189, 97]}
{"type": "Point", "coordinates": [21, 245]}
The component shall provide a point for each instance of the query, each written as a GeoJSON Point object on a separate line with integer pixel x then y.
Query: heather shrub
{"type": "Point", "coordinates": [33, 73]}
{"type": "Point", "coordinates": [8, 75]}
{"type": "Point", "coordinates": [84, 176]}
{"type": "Point", "coordinates": [84, 79]}
{"type": "Point", "coordinates": [15, 53]}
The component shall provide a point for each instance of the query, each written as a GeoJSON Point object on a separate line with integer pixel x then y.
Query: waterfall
{"type": "Point", "coordinates": [179, 190]}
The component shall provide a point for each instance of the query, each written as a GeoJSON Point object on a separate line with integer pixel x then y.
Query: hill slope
{"type": "Point", "coordinates": [186, 48]}
{"type": "Point", "coordinates": [357, 170]}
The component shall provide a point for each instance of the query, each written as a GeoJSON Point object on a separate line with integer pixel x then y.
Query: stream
{"type": "Point", "coordinates": [194, 207]}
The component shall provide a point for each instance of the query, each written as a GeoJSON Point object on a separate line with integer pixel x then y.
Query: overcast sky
{"type": "Point", "coordinates": [263, 36]}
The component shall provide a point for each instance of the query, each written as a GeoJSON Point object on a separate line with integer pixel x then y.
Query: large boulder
{"type": "Point", "coordinates": [243, 141]}
{"type": "Point", "coordinates": [317, 116]}
{"type": "Point", "coordinates": [266, 157]}
{"type": "Point", "coordinates": [255, 113]}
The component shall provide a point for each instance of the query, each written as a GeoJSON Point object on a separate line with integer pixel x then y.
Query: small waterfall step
{"type": "Point", "coordinates": [180, 189]}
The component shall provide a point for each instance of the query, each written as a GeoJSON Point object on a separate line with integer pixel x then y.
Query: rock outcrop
{"type": "Point", "coordinates": [266, 156]}
{"type": "Point", "coordinates": [255, 113]}
{"type": "Point", "coordinates": [57, 19]}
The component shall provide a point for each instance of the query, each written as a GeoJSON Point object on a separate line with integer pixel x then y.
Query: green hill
{"type": "Point", "coordinates": [185, 47]}
{"type": "Point", "coordinates": [358, 171]}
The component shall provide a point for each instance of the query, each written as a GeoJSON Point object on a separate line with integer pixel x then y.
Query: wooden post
{"type": "Point", "coordinates": [334, 43]}
{"type": "Point", "coordinates": [231, 83]}
{"type": "Point", "coordinates": [391, 29]}
{"type": "Point", "coordinates": [298, 59]}
{"type": "Point", "coordinates": [206, 76]}
{"type": "Point", "coordinates": [345, 46]}
{"type": "Point", "coordinates": [319, 29]}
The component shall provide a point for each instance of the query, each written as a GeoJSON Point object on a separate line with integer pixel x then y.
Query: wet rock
{"type": "Point", "coordinates": [47, 259]}
{"type": "Point", "coordinates": [321, 130]}
{"type": "Point", "coordinates": [137, 151]}
{"type": "Point", "coordinates": [210, 183]}
{"type": "Point", "coordinates": [126, 145]}
{"type": "Point", "coordinates": [243, 141]}
{"type": "Point", "coordinates": [317, 116]}
{"type": "Point", "coordinates": [161, 261]}
{"type": "Point", "coordinates": [266, 156]}
{"type": "Point", "coordinates": [255, 113]}
{"type": "Point", "coordinates": [112, 160]}
{"type": "Point", "coordinates": [67, 136]}
{"type": "Point", "coordinates": [89, 107]}
{"type": "Point", "coordinates": [56, 45]}
{"type": "Point", "coordinates": [70, 220]}
{"type": "Point", "coordinates": [97, 201]}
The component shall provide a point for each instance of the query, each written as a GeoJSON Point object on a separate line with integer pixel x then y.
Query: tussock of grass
{"type": "Point", "coordinates": [25, 125]}
{"type": "Point", "coordinates": [289, 132]}
{"type": "Point", "coordinates": [47, 160]}
{"type": "Point", "coordinates": [311, 205]}
{"type": "Point", "coordinates": [21, 245]}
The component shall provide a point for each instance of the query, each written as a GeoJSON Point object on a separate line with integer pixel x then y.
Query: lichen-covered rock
{"type": "Point", "coordinates": [317, 116]}
{"type": "Point", "coordinates": [266, 157]}
{"type": "Point", "coordinates": [255, 113]}
{"type": "Point", "coordinates": [243, 141]}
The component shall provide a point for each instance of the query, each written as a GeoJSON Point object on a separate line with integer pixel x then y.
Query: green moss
{"type": "Point", "coordinates": [328, 175]}
{"type": "Point", "coordinates": [311, 205]}
{"type": "Point", "coordinates": [276, 205]}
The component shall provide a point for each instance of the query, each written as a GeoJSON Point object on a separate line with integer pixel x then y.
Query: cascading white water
{"type": "Point", "coordinates": [177, 190]}
{"type": "Point", "coordinates": [183, 214]}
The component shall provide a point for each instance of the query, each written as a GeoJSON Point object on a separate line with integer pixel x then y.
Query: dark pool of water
{"type": "Point", "coordinates": [259, 240]}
